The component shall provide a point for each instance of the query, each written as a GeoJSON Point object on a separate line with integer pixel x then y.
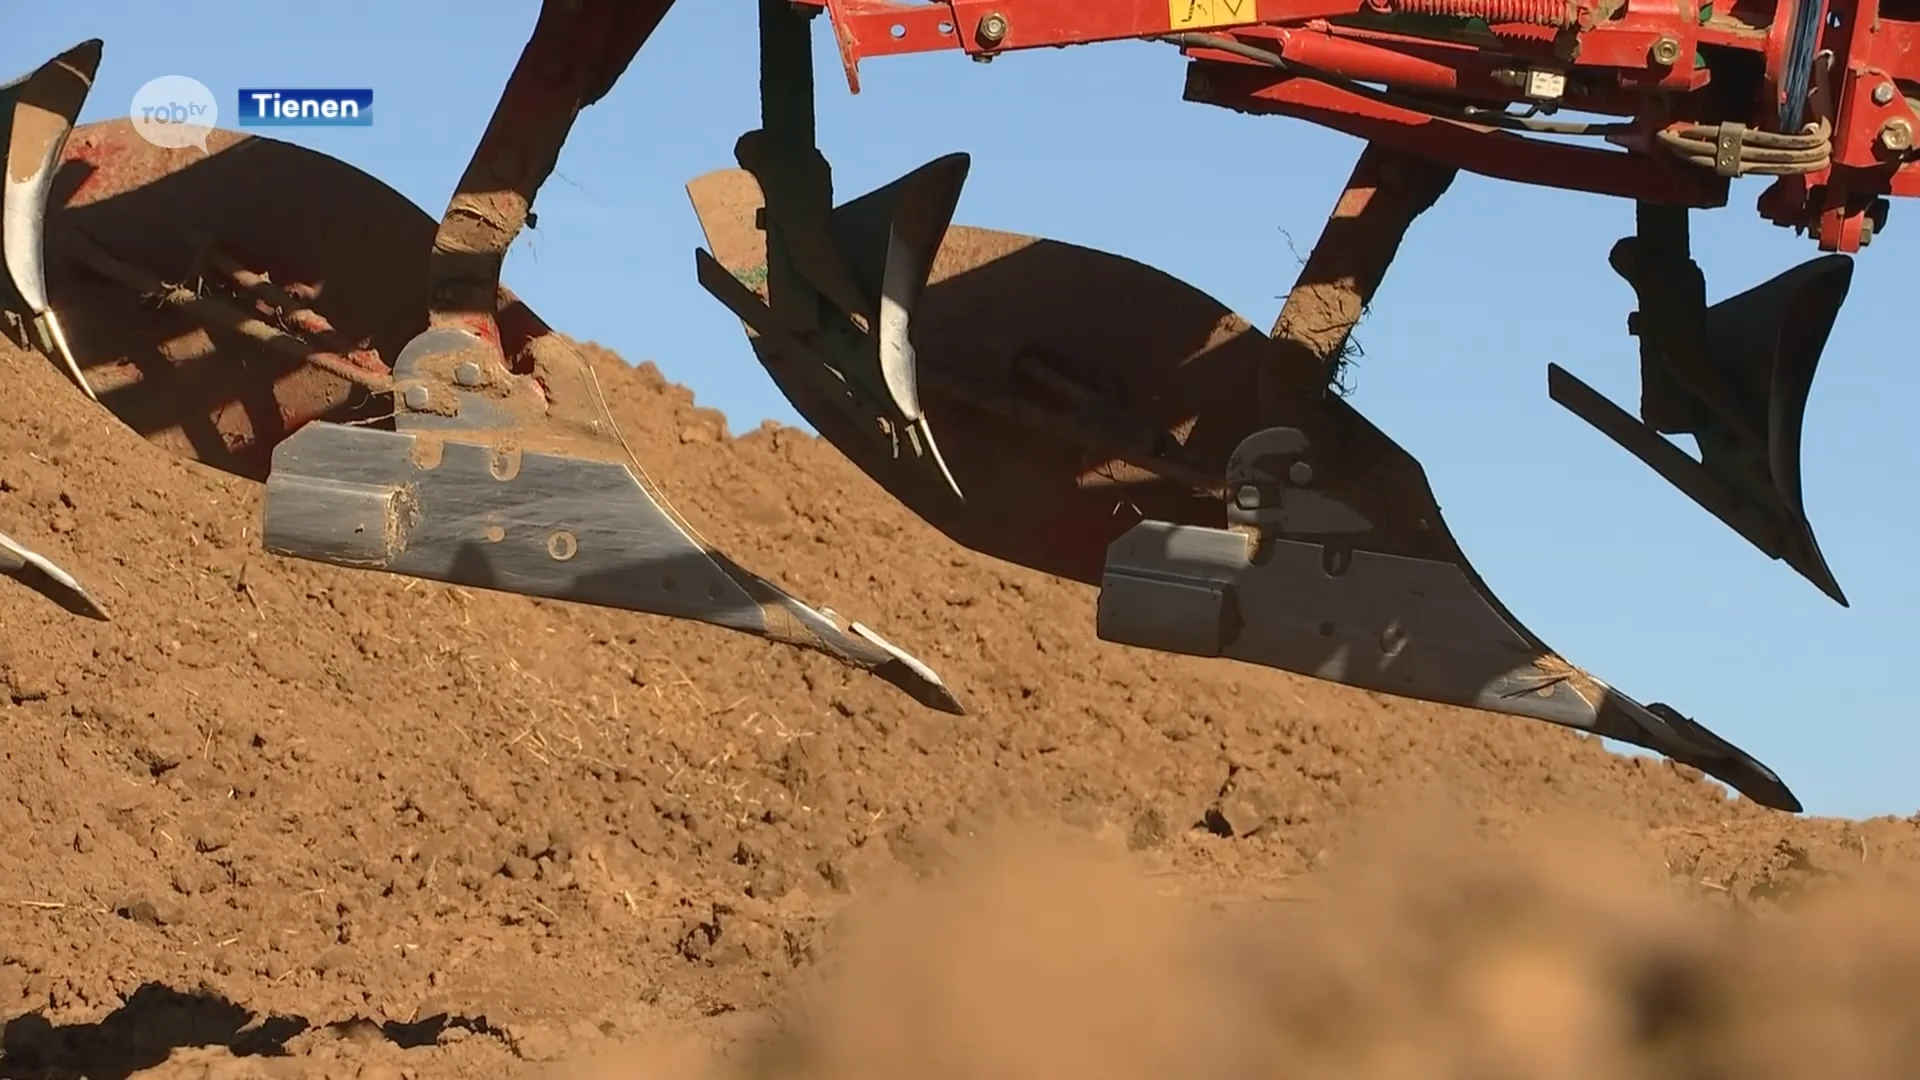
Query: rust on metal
{"type": "Point", "coordinates": [577, 51]}
{"type": "Point", "coordinates": [346, 247]}
{"type": "Point", "coordinates": [289, 306]}
{"type": "Point", "coordinates": [1386, 191]}
{"type": "Point", "coordinates": [220, 315]}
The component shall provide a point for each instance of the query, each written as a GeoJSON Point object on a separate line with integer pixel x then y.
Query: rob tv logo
{"type": "Point", "coordinates": [306, 108]}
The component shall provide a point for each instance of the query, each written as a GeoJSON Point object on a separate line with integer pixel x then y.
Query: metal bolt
{"type": "Point", "coordinates": [1897, 135]}
{"type": "Point", "coordinates": [1247, 498]}
{"type": "Point", "coordinates": [991, 30]}
{"type": "Point", "coordinates": [1300, 473]}
{"type": "Point", "coordinates": [1664, 52]}
{"type": "Point", "coordinates": [562, 545]}
{"type": "Point", "coordinates": [1883, 94]}
{"type": "Point", "coordinates": [467, 373]}
{"type": "Point", "coordinates": [417, 397]}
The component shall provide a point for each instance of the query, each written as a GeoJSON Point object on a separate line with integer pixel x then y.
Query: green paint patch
{"type": "Point", "coordinates": [752, 276]}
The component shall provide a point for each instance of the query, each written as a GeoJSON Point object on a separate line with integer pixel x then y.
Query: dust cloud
{"type": "Point", "coordinates": [1547, 954]}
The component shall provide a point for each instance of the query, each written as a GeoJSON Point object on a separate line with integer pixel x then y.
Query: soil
{"type": "Point", "coordinates": [284, 820]}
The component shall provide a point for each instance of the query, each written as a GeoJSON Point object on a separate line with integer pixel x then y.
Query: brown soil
{"type": "Point", "coordinates": [279, 819]}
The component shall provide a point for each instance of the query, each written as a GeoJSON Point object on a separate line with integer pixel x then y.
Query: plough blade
{"type": "Point", "coordinates": [1313, 597]}
{"type": "Point", "coordinates": [890, 237]}
{"type": "Point", "coordinates": [37, 113]}
{"type": "Point", "coordinates": [40, 574]}
{"type": "Point", "coordinates": [1107, 424]}
{"type": "Point", "coordinates": [1764, 346]}
{"type": "Point", "coordinates": [478, 486]}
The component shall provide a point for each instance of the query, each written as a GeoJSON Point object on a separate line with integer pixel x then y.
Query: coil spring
{"type": "Point", "coordinates": [1555, 13]}
{"type": "Point", "coordinates": [1756, 153]}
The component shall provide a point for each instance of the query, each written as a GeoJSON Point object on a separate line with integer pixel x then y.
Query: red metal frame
{"type": "Point", "coordinates": [1652, 63]}
{"type": "Point", "coordinates": [577, 51]}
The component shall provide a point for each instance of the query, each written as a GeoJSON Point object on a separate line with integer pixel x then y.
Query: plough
{"type": "Point", "coordinates": [1062, 408]}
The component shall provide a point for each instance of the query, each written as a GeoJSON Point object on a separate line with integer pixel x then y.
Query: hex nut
{"type": "Point", "coordinates": [992, 29]}
{"type": "Point", "coordinates": [1897, 134]}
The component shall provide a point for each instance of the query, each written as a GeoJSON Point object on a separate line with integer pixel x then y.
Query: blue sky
{"type": "Point", "coordinates": [1094, 146]}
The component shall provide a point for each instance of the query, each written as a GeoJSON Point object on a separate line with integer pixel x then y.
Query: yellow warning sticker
{"type": "Point", "coordinates": [1203, 14]}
